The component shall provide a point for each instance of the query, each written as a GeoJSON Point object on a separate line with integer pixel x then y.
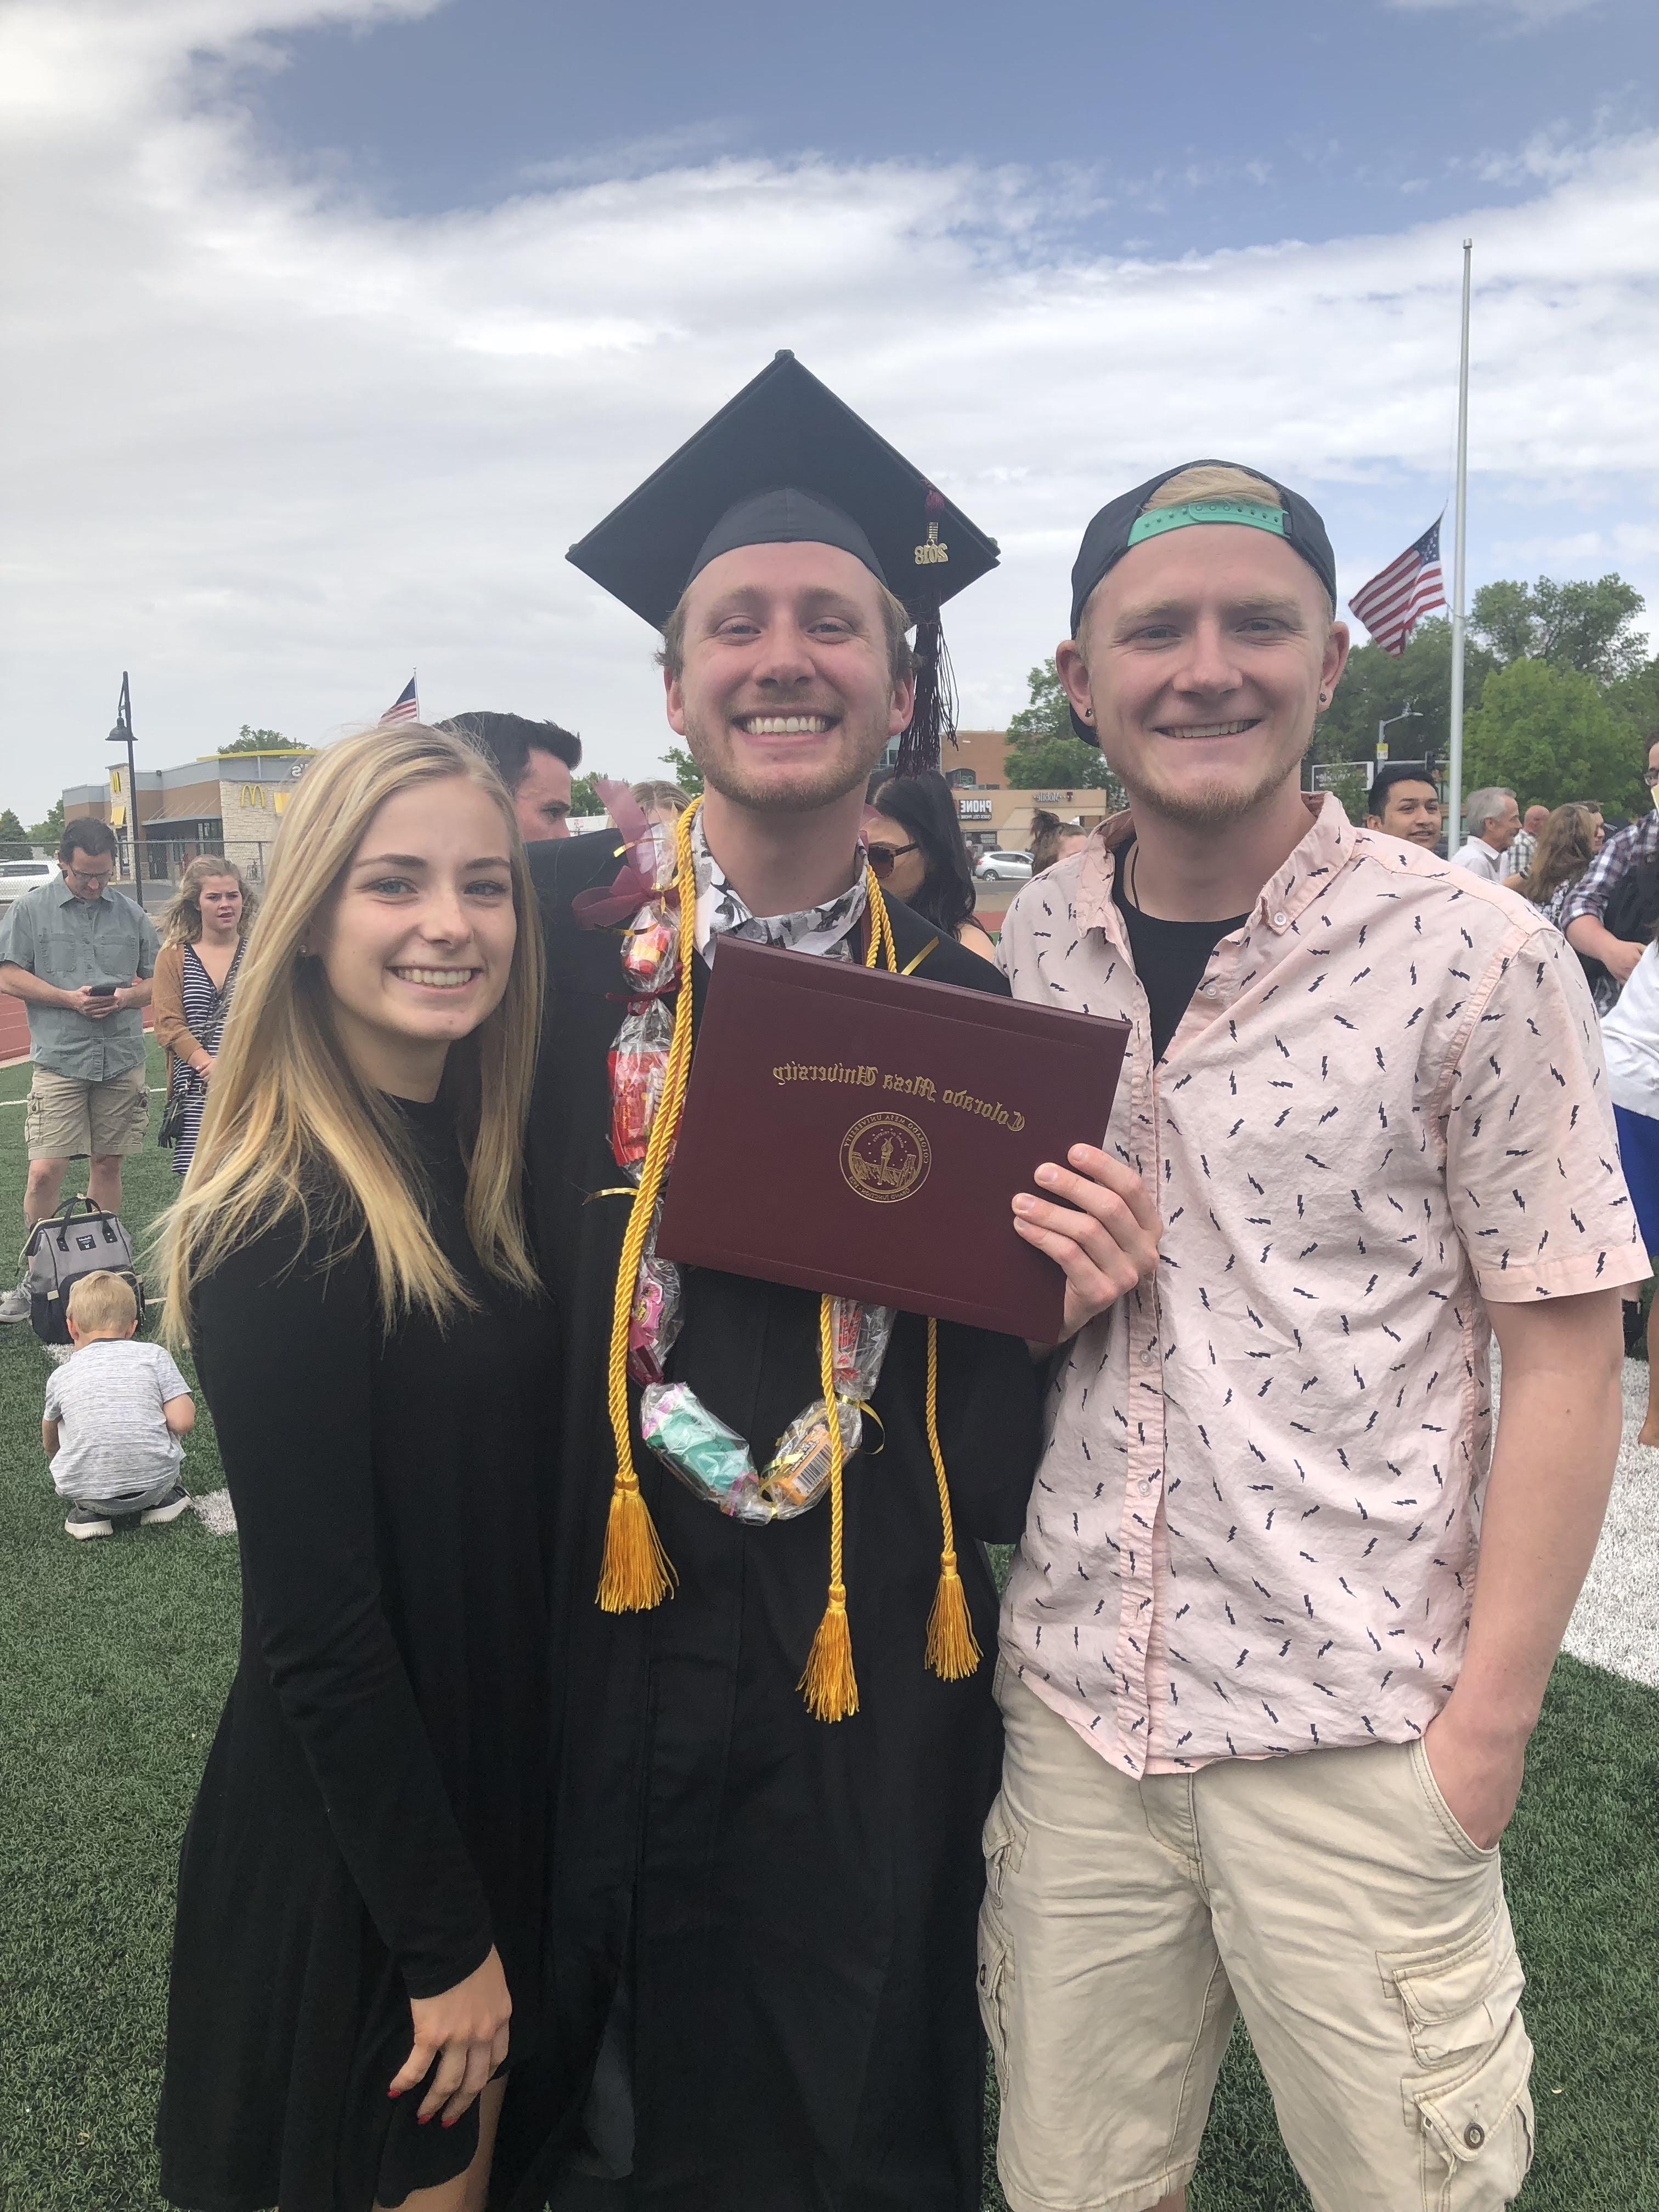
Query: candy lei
{"type": "Point", "coordinates": [648, 1090]}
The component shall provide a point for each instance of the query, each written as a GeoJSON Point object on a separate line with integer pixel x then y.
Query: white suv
{"type": "Point", "coordinates": [1003, 867]}
{"type": "Point", "coordinates": [17, 877]}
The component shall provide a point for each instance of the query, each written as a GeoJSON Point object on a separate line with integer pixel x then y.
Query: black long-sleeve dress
{"type": "Point", "coordinates": [373, 1816]}
{"type": "Point", "coordinates": [787, 1907]}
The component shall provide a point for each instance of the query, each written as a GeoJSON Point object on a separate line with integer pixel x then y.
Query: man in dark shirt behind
{"type": "Point", "coordinates": [537, 761]}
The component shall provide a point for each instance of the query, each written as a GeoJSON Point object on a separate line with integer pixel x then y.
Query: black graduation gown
{"type": "Point", "coordinates": [794, 1903]}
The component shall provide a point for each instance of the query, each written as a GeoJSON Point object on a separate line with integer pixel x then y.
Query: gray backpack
{"type": "Point", "coordinates": [61, 1250]}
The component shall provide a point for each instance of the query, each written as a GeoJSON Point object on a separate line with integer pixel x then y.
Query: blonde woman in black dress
{"type": "Point", "coordinates": [360, 1896]}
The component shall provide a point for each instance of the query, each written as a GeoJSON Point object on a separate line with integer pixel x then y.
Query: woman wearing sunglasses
{"type": "Point", "coordinates": [917, 850]}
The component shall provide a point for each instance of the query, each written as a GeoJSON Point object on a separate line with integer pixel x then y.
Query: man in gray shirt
{"type": "Point", "coordinates": [81, 956]}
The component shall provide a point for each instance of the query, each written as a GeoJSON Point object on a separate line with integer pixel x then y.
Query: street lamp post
{"type": "Point", "coordinates": [1409, 713]}
{"type": "Point", "coordinates": [122, 735]}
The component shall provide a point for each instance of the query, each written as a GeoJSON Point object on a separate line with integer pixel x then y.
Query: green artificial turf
{"type": "Point", "coordinates": [115, 1657]}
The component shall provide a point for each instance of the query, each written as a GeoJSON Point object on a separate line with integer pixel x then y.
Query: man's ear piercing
{"type": "Point", "coordinates": [1323, 697]}
{"type": "Point", "coordinates": [1088, 714]}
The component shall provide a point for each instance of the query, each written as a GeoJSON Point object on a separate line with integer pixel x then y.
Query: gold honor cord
{"type": "Point", "coordinates": [637, 1573]}
{"type": "Point", "coordinates": [952, 1651]}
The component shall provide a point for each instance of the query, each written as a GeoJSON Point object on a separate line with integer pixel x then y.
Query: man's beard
{"type": "Point", "coordinates": [847, 770]}
{"type": "Point", "coordinates": [1213, 805]}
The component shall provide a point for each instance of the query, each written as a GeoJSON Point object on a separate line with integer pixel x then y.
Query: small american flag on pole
{"type": "Point", "coordinates": [1393, 604]}
{"type": "Point", "coordinates": [405, 708]}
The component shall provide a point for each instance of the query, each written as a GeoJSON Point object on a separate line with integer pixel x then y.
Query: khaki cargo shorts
{"type": "Point", "coordinates": [1329, 1897]}
{"type": "Point", "coordinates": [70, 1119]}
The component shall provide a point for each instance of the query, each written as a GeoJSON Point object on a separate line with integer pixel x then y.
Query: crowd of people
{"type": "Point", "coordinates": [669, 1856]}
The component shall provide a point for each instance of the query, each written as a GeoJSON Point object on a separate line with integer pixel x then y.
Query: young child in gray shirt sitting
{"type": "Point", "coordinates": [115, 1412]}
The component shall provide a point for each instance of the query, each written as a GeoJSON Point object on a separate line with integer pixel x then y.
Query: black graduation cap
{"type": "Point", "coordinates": [1124, 521]}
{"type": "Point", "coordinates": [786, 461]}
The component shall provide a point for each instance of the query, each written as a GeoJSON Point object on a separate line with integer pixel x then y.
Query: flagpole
{"type": "Point", "coordinates": [1455, 764]}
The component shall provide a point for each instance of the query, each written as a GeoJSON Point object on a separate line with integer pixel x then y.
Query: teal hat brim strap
{"type": "Point", "coordinates": [1252, 514]}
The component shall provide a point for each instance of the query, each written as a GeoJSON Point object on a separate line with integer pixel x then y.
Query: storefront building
{"type": "Point", "coordinates": [227, 803]}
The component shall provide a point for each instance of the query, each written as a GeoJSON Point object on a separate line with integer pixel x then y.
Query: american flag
{"type": "Point", "coordinates": [405, 708]}
{"type": "Point", "coordinates": [1393, 604]}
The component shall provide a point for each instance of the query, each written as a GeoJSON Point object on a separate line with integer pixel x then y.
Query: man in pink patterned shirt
{"type": "Point", "coordinates": [1265, 1722]}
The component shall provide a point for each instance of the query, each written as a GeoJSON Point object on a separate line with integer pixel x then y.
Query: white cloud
{"type": "Point", "coordinates": [270, 449]}
{"type": "Point", "coordinates": [1530, 15]}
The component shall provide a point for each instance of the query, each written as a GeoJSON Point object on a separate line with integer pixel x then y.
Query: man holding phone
{"type": "Point", "coordinates": [80, 956]}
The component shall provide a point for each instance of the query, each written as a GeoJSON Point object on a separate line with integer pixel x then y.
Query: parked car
{"type": "Point", "coordinates": [1003, 867]}
{"type": "Point", "coordinates": [17, 877]}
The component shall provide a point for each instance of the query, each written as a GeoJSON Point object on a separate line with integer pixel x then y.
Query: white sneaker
{"type": "Point", "coordinates": [15, 1305]}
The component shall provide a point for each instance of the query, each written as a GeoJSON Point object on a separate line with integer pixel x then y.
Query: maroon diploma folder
{"type": "Point", "coordinates": [849, 1130]}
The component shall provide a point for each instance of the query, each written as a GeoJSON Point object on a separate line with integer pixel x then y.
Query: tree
{"type": "Point", "coordinates": [1636, 697]}
{"type": "Point", "coordinates": [13, 838]}
{"type": "Point", "coordinates": [1580, 625]}
{"type": "Point", "coordinates": [585, 794]}
{"type": "Point", "coordinates": [1057, 764]}
{"type": "Point", "coordinates": [684, 770]}
{"type": "Point", "coordinates": [48, 833]}
{"type": "Point", "coordinates": [1047, 715]}
{"type": "Point", "coordinates": [261, 741]}
{"type": "Point", "coordinates": [1549, 734]}
{"type": "Point", "coordinates": [1045, 753]}
{"type": "Point", "coordinates": [1375, 687]}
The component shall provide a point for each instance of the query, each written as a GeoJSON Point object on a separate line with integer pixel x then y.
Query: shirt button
{"type": "Point", "coordinates": [1280, 920]}
{"type": "Point", "coordinates": [1474, 2134]}
{"type": "Point", "coordinates": [1212, 990]}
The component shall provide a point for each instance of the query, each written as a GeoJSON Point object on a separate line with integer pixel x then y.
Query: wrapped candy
{"type": "Point", "coordinates": [798, 1473]}
{"type": "Point", "coordinates": [639, 1064]}
{"type": "Point", "coordinates": [654, 1322]}
{"type": "Point", "coordinates": [860, 1337]}
{"type": "Point", "coordinates": [695, 1445]}
{"type": "Point", "coordinates": [648, 950]}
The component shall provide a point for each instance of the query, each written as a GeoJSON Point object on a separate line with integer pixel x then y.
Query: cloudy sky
{"type": "Point", "coordinates": [332, 323]}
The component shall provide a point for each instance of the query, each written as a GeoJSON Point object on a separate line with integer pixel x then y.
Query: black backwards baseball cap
{"type": "Point", "coordinates": [786, 461]}
{"type": "Point", "coordinates": [1126, 522]}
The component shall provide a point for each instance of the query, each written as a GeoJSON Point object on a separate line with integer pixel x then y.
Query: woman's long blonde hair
{"type": "Point", "coordinates": [290, 1129]}
{"type": "Point", "coordinates": [181, 920]}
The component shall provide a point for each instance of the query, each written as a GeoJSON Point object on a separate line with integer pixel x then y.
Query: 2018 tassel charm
{"type": "Point", "coordinates": [934, 717]}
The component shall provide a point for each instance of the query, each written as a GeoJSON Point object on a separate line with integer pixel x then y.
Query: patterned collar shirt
{"type": "Point", "coordinates": [1254, 1525]}
{"type": "Point", "coordinates": [722, 913]}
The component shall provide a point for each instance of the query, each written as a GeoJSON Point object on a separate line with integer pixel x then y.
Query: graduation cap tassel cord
{"type": "Point", "coordinates": [952, 1651]}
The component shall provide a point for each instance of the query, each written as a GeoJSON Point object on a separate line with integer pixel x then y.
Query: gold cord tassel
{"type": "Point", "coordinates": [952, 1652]}
{"type": "Point", "coordinates": [637, 1573]}
{"type": "Point", "coordinates": [830, 1685]}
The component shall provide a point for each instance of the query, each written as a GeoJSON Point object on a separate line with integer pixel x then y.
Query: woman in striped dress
{"type": "Point", "coordinates": [203, 934]}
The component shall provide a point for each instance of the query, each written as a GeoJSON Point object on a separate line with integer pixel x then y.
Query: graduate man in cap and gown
{"type": "Point", "coordinates": [779, 1741]}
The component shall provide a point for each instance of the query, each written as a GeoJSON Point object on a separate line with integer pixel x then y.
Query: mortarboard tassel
{"type": "Point", "coordinates": [952, 1651]}
{"type": "Point", "coordinates": [934, 717]}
